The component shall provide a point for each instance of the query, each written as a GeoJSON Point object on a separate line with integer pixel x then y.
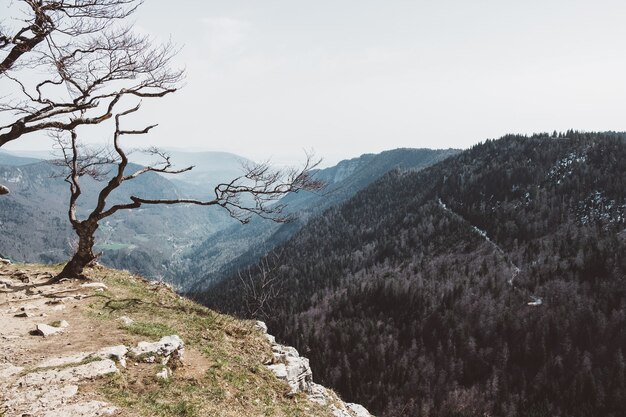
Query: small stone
{"type": "Point", "coordinates": [126, 320]}
{"type": "Point", "coordinates": [94, 285]}
{"type": "Point", "coordinates": [47, 330]}
{"type": "Point", "coordinates": [164, 374]}
{"type": "Point", "coordinates": [167, 346]}
{"type": "Point", "coordinates": [25, 314]}
{"type": "Point", "coordinates": [261, 326]}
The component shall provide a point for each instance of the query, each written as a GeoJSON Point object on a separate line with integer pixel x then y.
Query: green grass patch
{"type": "Point", "coordinates": [150, 329]}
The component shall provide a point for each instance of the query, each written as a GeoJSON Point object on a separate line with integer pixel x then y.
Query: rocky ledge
{"type": "Point", "coordinates": [51, 387]}
{"type": "Point", "coordinates": [288, 365]}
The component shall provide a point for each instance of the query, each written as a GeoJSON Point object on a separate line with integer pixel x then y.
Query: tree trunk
{"type": "Point", "coordinates": [84, 254]}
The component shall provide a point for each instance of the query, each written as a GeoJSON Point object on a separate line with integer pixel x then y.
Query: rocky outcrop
{"type": "Point", "coordinates": [288, 365]}
{"type": "Point", "coordinates": [51, 388]}
{"type": "Point", "coordinates": [170, 349]}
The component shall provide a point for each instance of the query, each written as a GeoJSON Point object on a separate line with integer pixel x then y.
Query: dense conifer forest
{"type": "Point", "coordinates": [491, 284]}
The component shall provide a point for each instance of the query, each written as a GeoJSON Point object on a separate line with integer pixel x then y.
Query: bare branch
{"type": "Point", "coordinates": [92, 63]}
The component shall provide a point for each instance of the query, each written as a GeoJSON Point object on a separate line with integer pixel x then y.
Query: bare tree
{"type": "Point", "coordinates": [93, 65]}
{"type": "Point", "coordinates": [260, 184]}
{"type": "Point", "coordinates": [261, 286]}
{"type": "Point", "coordinates": [66, 59]}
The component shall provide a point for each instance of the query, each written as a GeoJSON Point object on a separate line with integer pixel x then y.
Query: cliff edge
{"type": "Point", "coordinates": [122, 346]}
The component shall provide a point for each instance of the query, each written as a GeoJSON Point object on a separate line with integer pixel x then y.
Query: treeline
{"type": "Point", "coordinates": [492, 283]}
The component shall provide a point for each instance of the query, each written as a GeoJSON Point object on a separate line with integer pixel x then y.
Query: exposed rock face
{"type": "Point", "coordinates": [51, 389]}
{"type": "Point", "coordinates": [288, 365]}
{"type": "Point", "coordinates": [169, 347]}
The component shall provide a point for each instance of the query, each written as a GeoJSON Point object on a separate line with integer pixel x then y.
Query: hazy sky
{"type": "Point", "coordinates": [344, 77]}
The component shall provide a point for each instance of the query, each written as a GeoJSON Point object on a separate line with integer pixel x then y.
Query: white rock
{"type": "Point", "coordinates": [94, 285]}
{"type": "Point", "coordinates": [165, 374]}
{"type": "Point", "coordinates": [167, 346]}
{"type": "Point", "coordinates": [46, 330]}
{"type": "Point", "coordinates": [67, 375]}
{"type": "Point", "coordinates": [339, 412]}
{"type": "Point", "coordinates": [126, 320]}
{"type": "Point", "coordinates": [279, 369]}
{"type": "Point", "coordinates": [289, 366]}
{"type": "Point", "coordinates": [117, 353]}
{"type": "Point", "coordinates": [358, 410]}
{"type": "Point", "coordinates": [261, 326]}
{"type": "Point", "coordinates": [37, 400]}
{"type": "Point", "coordinates": [2, 260]}
{"type": "Point", "coordinates": [319, 394]}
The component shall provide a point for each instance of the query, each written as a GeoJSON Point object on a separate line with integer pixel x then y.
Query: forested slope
{"type": "Point", "coordinates": [493, 283]}
{"type": "Point", "coordinates": [226, 251]}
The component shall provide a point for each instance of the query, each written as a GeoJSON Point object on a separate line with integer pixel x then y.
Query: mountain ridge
{"type": "Point", "coordinates": [447, 291]}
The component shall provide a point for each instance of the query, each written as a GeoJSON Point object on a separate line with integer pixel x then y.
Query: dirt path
{"type": "Point", "coordinates": [42, 375]}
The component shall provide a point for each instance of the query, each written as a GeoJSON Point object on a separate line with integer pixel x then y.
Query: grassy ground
{"type": "Point", "coordinates": [223, 372]}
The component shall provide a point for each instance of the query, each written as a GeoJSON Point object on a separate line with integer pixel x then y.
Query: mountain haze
{"type": "Point", "coordinates": [227, 251]}
{"type": "Point", "coordinates": [149, 240]}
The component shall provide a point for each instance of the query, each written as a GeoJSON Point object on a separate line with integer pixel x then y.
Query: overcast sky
{"type": "Point", "coordinates": [345, 77]}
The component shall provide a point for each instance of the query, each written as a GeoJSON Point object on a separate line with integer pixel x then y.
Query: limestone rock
{"type": "Point", "coordinates": [67, 375]}
{"type": "Point", "coordinates": [261, 326]}
{"type": "Point", "coordinates": [33, 402]}
{"type": "Point", "coordinates": [165, 374]}
{"type": "Point", "coordinates": [288, 365]}
{"type": "Point", "coordinates": [358, 410]}
{"type": "Point", "coordinates": [117, 353]}
{"type": "Point", "coordinates": [168, 347]}
{"type": "Point", "coordinates": [94, 285]}
{"type": "Point", "coordinates": [46, 330]}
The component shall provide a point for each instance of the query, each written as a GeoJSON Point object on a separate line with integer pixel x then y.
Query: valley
{"type": "Point", "coordinates": [419, 282]}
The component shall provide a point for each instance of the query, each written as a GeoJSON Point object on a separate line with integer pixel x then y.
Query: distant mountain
{"type": "Point", "coordinates": [492, 283]}
{"type": "Point", "coordinates": [227, 251]}
{"type": "Point", "coordinates": [14, 160]}
{"type": "Point", "coordinates": [209, 169]}
{"type": "Point", "coordinates": [149, 240]}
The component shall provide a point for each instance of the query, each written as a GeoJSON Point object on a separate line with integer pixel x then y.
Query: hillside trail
{"type": "Point", "coordinates": [515, 270]}
{"type": "Point", "coordinates": [42, 375]}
